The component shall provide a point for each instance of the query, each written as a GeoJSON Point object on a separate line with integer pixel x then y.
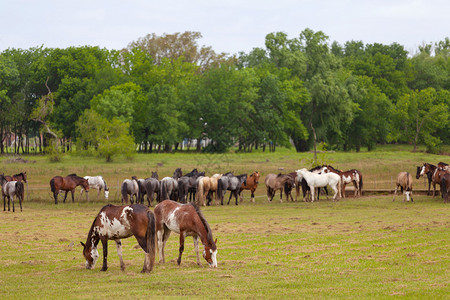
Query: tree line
{"type": "Point", "coordinates": [166, 93]}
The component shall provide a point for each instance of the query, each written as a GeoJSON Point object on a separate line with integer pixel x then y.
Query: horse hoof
{"type": "Point", "coordinates": [103, 269]}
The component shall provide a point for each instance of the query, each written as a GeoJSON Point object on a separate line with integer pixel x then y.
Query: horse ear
{"type": "Point", "coordinates": [82, 244]}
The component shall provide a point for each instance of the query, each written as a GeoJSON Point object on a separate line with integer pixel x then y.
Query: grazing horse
{"type": "Point", "coordinates": [130, 187]}
{"type": "Point", "coordinates": [404, 181]}
{"type": "Point", "coordinates": [22, 176]}
{"type": "Point", "coordinates": [150, 187]}
{"type": "Point", "coordinates": [429, 170]}
{"type": "Point", "coordinates": [276, 182]}
{"type": "Point", "coordinates": [120, 222]}
{"type": "Point", "coordinates": [437, 178]}
{"type": "Point", "coordinates": [445, 187]}
{"type": "Point", "coordinates": [98, 183]}
{"type": "Point", "coordinates": [232, 183]}
{"type": "Point", "coordinates": [321, 180]}
{"type": "Point", "coordinates": [68, 183]}
{"type": "Point", "coordinates": [347, 177]}
{"type": "Point", "coordinates": [11, 189]}
{"type": "Point", "coordinates": [186, 220]}
{"type": "Point", "coordinates": [251, 184]}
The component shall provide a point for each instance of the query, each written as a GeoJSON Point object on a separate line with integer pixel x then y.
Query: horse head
{"type": "Point", "coordinates": [155, 175]}
{"type": "Point", "coordinates": [91, 255]}
{"type": "Point", "coordinates": [210, 254]}
{"type": "Point", "coordinates": [256, 176]}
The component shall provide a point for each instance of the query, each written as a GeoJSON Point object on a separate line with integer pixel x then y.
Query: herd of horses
{"type": "Point", "coordinates": [179, 198]}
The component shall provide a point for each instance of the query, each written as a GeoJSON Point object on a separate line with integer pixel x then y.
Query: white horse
{"type": "Point", "coordinates": [321, 180]}
{"type": "Point", "coordinates": [11, 189]}
{"type": "Point", "coordinates": [98, 183]}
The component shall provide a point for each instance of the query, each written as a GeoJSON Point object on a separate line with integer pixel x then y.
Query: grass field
{"type": "Point", "coordinates": [368, 247]}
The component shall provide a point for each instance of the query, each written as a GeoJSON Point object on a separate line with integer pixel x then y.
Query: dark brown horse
{"type": "Point", "coordinates": [18, 177]}
{"type": "Point", "coordinates": [437, 178]}
{"type": "Point", "coordinates": [186, 220]}
{"type": "Point", "coordinates": [251, 184]}
{"type": "Point", "coordinates": [120, 222]}
{"type": "Point", "coordinates": [68, 184]}
{"type": "Point", "coordinates": [428, 170]}
{"type": "Point", "coordinates": [445, 187]}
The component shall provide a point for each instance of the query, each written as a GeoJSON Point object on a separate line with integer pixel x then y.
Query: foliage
{"type": "Point", "coordinates": [172, 91]}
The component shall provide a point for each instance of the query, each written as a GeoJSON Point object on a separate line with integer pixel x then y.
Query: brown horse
{"type": "Point", "coordinates": [404, 181]}
{"type": "Point", "coordinates": [22, 176]}
{"type": "Point", "coordinates": [186, 220]}
{"type": "Point", "coordinates": [251, 184]}
{"type": "Point", "coordinates": [276, 182]}
{"type": "Point", "coordinates": [351, 176]}
{"type": "Point", "coordinates": [68, 183]}
{"type": "Point", "coordinates": [445, 187]}
{"type": "Point", "coordinates": [120, 222]}
{"type": "Point", "coordinates": [437, 178]}
{"type": "Point", "coordinates": [428, 170]}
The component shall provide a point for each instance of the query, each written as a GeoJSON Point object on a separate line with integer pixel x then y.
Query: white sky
{"type": "Point", "coordinates": [228, 26]}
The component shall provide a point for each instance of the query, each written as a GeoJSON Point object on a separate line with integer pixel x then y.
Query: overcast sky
{"type": "Point", "coordinates": [228, 26]}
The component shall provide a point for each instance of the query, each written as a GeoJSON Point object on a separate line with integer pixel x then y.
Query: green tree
{"type": "Point", "coordinates": [418, 117]}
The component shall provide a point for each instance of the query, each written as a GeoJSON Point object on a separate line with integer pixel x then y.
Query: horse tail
{"type": "Point", "coordinates": [200, 191]}
{"type": "Point", "coordinates": [124, 192]}
{"type": "Point", "coordinates": [20, 191]}
{"type": "Point", "coordinates": [52, 185]}
{"type": "Point", "coordinates": [151, 238]}
{"type": "Point", "coordinates": [443, 188]}
{"type": "Point", "coordinates": [220, 188]}
{"type": "Point", "coordinates": [163, 191]}
{"type": "Point", "coordinates": [360, 184]}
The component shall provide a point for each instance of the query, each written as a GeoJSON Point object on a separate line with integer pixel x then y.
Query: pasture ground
{"type": "Point", "coordinates": [368, 247]}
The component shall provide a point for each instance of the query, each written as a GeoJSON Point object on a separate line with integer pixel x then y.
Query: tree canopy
{"type": "Point", "coordinates": [165, 93]}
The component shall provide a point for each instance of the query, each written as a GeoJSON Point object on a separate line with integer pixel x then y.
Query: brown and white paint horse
{"type": "Point", "coordinates": [428, 170]}
{"type": "Point", "coordinates": [119, 222]}
{"type": "Point", "coordinates": [404, 181]}
{"type": "Point", "coordinates": [186, 220]}
{"type": "Point", "coordinates": [351, 176]}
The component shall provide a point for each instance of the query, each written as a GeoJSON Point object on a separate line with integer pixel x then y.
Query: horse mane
{"type": "Point", "coordinates": [205, 223]}
{"type": "Point", "coordinates": [279, 174]}
{"type": "Point", "coordinates": [73, 174]}
{"type": "Point", "coordinates": [315, 168]}
{"type": "Point", "coordinates": [442, 163]}
{"type": "Point", "coordinates": [76, 176]}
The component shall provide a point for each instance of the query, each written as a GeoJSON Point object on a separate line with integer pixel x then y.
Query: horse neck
{"type": "Point", "coordinates": [202, 230]}
{"type": "Point", "coordinates": [92, 238]}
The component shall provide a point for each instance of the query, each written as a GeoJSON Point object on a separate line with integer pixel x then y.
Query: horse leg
{"type": "Point", "coordinates": [269, 194]}
{"type": "Point", "coordinates": [434, 188]}
{"type": "Point", "coordinates": [119, 252]}
{"type": "Point", "coordinates": [65, 197]}
{"type": "Point", "coordinates": [12, 200]}
{"type": "Point", "coordinates": [241, 196]}
{"type": "Point", "coordinates": [395, 192]}
{"type": "Point", "coordinates": [73, 192]}
{"type": "Point", "coordinates": [312, 190]}
{"type": "Point", "coordinates": [231, 194]}
{"type": "Point", "coordinates": [281, 195]}
{"type": "Point", "coordinates": [336, 190]}
{"type": "Point", "coordinates": [181, 249]}
{"type": "Point", "coordinates": [4, 202]}
{"type": "Point", "coordinates": [236, 196]}
{"type": "Point", "coordinates": [105, 254]}
{"type": "Point", "coordinates": [162, 236]}
{"type": "Point", "coordinates": [55, 195]}
{"type": "Point", "coordinates": [196, 250]}
{"type": "Point", "coordinates": [20, 202]}
{"type": "Point", "coordinates": [253, 195]}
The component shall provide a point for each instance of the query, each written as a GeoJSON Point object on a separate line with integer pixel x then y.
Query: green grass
{"type": "Point", "coordinates": [367, 247]}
